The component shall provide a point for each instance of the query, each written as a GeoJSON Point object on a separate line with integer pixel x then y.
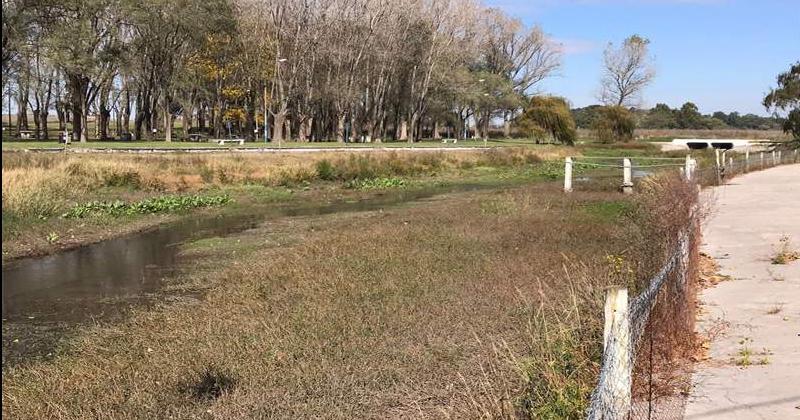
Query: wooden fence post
{"type": "Point", "coordinates": [774, 161]}
{"type": "Point", "coordinates": [568, 174]}
{"type": "Point", "coordinates": [616, 377]}
{"type": "Point", "coordinates": [762, 159]}
{"type": "Point", "coordinates": [627, 178]}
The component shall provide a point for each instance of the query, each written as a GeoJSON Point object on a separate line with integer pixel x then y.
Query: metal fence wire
{"type": "Point", "coordinates": [645, 342]}
{"type": "Point", "coordinates": [648, 340]}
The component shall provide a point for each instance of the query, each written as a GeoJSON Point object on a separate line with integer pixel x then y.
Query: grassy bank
{"type": "Point", "coordinates": [473, 305]}
{"type": "Point", "coordinates": [39, 189]}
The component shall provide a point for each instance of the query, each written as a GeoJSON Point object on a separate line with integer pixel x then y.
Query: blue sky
{"type": "Point", "coordinates": [720, 54]}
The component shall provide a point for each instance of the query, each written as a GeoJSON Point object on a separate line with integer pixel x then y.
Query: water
{"type": "Point", "coordinates": [79, 284]}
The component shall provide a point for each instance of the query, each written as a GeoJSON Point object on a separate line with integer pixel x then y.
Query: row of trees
{"type": "Point", "coordinates": [309, 69]}
{"type": "Point", "coordinates": [686, 117]}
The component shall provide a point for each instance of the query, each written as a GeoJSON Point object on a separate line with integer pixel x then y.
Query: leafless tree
{"type": "Point", "coordinates": [627, 70]}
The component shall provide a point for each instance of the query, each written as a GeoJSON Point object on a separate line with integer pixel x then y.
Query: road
{"type": "Point", "coordinates": [754, 366]}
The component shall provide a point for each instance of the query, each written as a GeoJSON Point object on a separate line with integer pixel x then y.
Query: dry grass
{"type": "Point", "coordinates": [444, 310]}
{"type": "Point", "coordinates": [37, 188]}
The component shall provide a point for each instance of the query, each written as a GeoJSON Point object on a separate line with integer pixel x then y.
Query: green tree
{"type": "Point", "coordinates": [614, 124]}
{"type": "Point", "coordinates": [546, 118]}
{"type": "Point", "coordinates": [689, 116]}
{"type": "Point", "coordinates": [786, 97]}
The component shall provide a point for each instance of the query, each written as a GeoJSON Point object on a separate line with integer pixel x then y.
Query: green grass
{"type": "Point", "coordinates": [608, 211]}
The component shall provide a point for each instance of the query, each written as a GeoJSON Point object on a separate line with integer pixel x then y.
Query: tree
{"type": "Point", "coordinates": [786, 97]}
{"type": "Point", "coordinates": [548, 117]}
{"type": "Point", "coordinates": [614, 124]}
{"type": "Point", "coordinates": [627, 70]}
{"type": "Point", "coordinates": [689, 116]}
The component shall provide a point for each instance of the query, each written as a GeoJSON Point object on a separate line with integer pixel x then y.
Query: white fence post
{"type": "Point", "coordinates": [627, 178]}
{"type": "Point", "coordinates": [613, 394]}
{"type": "Point", "coordinates": [747, 159]}
{"type": "Point", "coordinates": [774, 161]}
{"type": "Point", "coordinates": [762, 159]}
{"type": "Point", "coordinates": [779, 157]}
{"type": "Point", "coordinates": [568, 174]}
{"type": "Point", "coordinates": [687, 168]}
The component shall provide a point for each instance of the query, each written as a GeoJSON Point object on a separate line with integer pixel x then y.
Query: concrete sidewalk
{"type": "Point", "coordinates": [754, 366]}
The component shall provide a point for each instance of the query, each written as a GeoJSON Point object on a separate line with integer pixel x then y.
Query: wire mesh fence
{"type": "Point", "coordinates": [648, 342]}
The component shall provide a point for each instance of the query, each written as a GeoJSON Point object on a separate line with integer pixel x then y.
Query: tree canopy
{"type": "Point", "coordinates": [786, 97]}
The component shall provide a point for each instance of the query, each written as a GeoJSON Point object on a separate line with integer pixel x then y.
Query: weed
{"type": "Point", "coordinates": [149, 206]}
{"type": "Point", "coordinates": [375, 183]}
{"type": "Point", "coordinates": [775, 309]}
{"type": "Point", "coordinates": [52, 237]}
{"type": "Point", "coordinates": [784, 254]}
{"type": "Point", "coordinates": [745, 356]}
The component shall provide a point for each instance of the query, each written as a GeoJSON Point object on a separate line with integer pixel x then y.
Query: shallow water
{"type": "Point", "coordinates": [79, 284]}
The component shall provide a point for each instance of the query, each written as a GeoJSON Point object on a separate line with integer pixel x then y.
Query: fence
{"type": "Point", "coordinates": [621, 172]}
{"type": "Point", "coordinates": [648, 340]}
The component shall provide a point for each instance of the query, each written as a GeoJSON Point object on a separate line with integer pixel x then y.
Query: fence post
{"type": "Point", "coordinates": [762, 160]}
{"type": "Point", "coordinates": [730, 164]}
{"type": "Point", "coordinates": [613, 396]}
{"type": "Point", "coordinates": [718, 166]}
{"type": "Point", "coordinates": [774, 162]}
{"type": "Point", "coordinates": [747, 159]}
{"type": "Point", "coordinates": [687, 168]}
{"type": "Point", "coordinates": [795, 155]}
{"type": "Point", "coordinates": [568, 174]}
{"type": "Point", "coordinates": [627, 179]}
{"type": "Point", "coordinates": [779, 157]}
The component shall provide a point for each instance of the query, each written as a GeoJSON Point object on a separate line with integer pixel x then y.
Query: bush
{"type": "Point", "coordinates": [613, 124]}
{"type": "Point", "coordinates": [325, 170]}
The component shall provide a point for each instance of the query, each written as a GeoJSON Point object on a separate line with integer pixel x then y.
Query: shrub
{"type": "Point", "coordinates": [613, 124]}
{"type": "Point", "coordinates": [325, 170]}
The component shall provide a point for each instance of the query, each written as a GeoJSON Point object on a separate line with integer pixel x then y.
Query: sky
{"type": "Point", "coordinates": [723, 55]}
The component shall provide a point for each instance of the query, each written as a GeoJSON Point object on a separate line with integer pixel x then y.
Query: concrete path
{"type": "Point", "coordinates": [754, 318]}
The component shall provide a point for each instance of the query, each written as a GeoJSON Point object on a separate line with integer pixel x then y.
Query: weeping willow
{"type": "Point", "coordinates": [546, 119]}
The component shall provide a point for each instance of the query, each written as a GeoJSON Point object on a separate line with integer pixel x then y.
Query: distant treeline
{"type": "Point", "coordinates": [686, 117]}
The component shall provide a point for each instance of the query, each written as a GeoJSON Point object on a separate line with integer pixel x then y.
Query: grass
{"type": "Point", "coordinates": [38, 188]}
{"type": "Point", "coordinates": [475, 304]}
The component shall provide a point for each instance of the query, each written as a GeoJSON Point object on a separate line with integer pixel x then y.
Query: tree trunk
{"type": "Point", "coordinates": [43, 117]}
{"type": "Point", "coordinates": [340, 129]}
{"type": "Point", "coordinates": [507, 116]}
{"type": "Point", "coordinates": [402, 130]}
{"type": "Point", "coordinates": [278, 125]}
{"type": "Point", "coordinates": [78, 86]}
{"type": "Point", "coordinates": [167, 124]}
{"type": "Point", "coordinates": [436, 134]}
{"type": "Point", "coordinates": [126, 109]}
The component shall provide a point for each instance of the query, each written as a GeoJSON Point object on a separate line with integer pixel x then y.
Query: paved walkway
{"type": "Point", "coordinates": [754, 369]}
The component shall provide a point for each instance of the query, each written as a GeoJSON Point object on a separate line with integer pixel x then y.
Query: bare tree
{"type": "Point", "coordinates": [627, 70]}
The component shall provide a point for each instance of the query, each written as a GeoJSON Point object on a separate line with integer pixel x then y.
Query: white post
{"type": "Point", "coordinates": [718, 167]}
{"type": "Point", "coordinates": [779, 157]}
{"type": "Point", "coordinates": [747, 159]}
{"type": "Point", "coordinates": [762, 159]}
{"type": "Point", "coordinates": [795, 155]}
{"type": "Point", "coordinates": [687, 168]}
{"type": "Point", "coordinates": [774, 162]}
{"type": "Point", "coordinates": [568, 174]}
{"type": "Point", "coordinates": [627, 182]}
{"type": "Point", "coordinates": [716, 155]}
{"type": "Point", "coordinates": [730, 163]}
{"type": "Point", "coordinates": [613, 393]}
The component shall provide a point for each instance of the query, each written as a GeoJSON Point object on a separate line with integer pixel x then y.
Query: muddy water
{"type": "Point", "coordinates": [103, 279]}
